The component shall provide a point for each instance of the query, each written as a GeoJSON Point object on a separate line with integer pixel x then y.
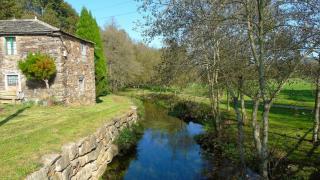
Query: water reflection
{"type": "Point", "coordinates": [167, 150]}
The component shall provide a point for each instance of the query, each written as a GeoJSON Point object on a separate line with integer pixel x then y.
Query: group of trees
{"type": "Point", "coordinates": [130, 63]}
{"type": "Point", "coordinates": [247, 48]}
{"type": "Point", "coordinates": [55, 12]}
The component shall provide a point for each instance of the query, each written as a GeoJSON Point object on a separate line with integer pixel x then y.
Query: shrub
{"type": "Point", "coordinates": [129, 137]}
{"type": "Point", "coordinates": [38, 66]}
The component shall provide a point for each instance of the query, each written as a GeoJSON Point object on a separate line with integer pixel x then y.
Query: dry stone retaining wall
{"type": "Point", "coordinates": [87, 158]}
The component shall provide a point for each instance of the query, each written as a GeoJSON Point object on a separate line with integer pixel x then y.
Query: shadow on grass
{"type": "Point", "coordinates": [298, 95]}
{"type": "Point", "coordinates": [303, 138]}
{"type": "Point", "coordinates": [7, 119]}
{"type": "Point", "coordinates": [313, 149]}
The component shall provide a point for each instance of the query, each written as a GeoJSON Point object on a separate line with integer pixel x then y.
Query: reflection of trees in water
{"type": "Point", "coordinates": [117, 169]}
{"type": "Point", "coordinates": [169, 133]}
{"type": "Point", "coordinates": [157, 119]}
{"type": "Point", "coordinates": [169, 130]}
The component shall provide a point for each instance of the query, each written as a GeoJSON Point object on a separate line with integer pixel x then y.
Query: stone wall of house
{"type": "Point", "coordinates": [87, 158]}
{"type": "Point", "coordinates": [27, 44]}
{"type": "Point", "coordinates": [66, 51]}
{"type": "Point", "coordinates": [79, 67]}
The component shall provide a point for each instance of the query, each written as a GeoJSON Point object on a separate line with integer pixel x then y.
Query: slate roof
{"type": "Point", "coordinates": [30, 27]}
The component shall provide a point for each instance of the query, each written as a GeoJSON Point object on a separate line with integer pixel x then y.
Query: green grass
{"type": "Point", "coordinates": [29, 132]}
{"type": "Point", "coordinates": [297, 93]}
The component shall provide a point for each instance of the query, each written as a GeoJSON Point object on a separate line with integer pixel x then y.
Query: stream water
{"type": "Point", "coordinates": [167, 150]}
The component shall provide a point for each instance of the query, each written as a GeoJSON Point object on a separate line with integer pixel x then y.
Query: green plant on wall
{"type": "Point", "coordinates": [38, 66]}
{"type": "Point", "coordinates": [129, 137]}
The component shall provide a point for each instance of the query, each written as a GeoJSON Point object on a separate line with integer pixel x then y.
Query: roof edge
{"type": "Point", "coordinates": [46, 24]}
{"type": "Point", "coordinates": [54, 30]}
{"type": "Point", "coordinates": [77, 37]}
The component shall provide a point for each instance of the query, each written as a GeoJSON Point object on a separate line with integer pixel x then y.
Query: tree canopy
{"type": "Point", "coordinates": [38, 66]}
{"type": "Point", "coordinates": [130, 63]}
{"type": "Point", "coordinates": [55, 12]}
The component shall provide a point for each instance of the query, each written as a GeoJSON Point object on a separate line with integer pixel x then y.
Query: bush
{"type": "Point", "coordinates": [38, 66]}
{"type": "Point", "coordinates": [129, 137]}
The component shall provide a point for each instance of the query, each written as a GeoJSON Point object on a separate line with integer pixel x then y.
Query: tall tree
{"type": "Point", "coordinates": [280, 38]}
{"type": "Point", "coordinates": [316, 123]}
{"type": "Point", "coordinates": [88, 28]}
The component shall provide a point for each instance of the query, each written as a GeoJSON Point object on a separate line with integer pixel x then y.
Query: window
{"type": "Point", "coordinates": [81, 84]}
{"type": "Point", "coordinates": [84, 52]}
{"type": "Point", "coordinates": [11, 45]}
{"type": "Point", "coordinates": [12, 80]}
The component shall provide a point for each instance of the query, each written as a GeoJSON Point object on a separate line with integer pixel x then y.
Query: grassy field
{"type": "Point", "coordinates": [296, 92]}
{"type": "Point", "coordinates": [290, 129]}
{"type": "Point", "coordinates": [28, 132]}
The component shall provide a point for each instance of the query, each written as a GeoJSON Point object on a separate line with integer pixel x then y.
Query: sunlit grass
{"type": "Point", "coordinates": [28, 132]}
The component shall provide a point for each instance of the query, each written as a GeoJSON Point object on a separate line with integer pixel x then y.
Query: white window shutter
{"type": "Point", "coordinates": [14, 46]}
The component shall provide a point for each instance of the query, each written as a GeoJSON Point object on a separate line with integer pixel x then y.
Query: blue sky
{"type": "Point", "coordinates": [123, 11]}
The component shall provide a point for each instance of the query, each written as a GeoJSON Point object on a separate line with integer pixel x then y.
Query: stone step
{"type": "Point", "coordinates": [8, 101]}
{"type": "Point", "coordinates": [8, 97]}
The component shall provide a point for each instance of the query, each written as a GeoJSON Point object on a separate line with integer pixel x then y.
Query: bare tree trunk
{"type": "Point", "coordinates": [316, 109]}
{"type": "Point", "coordinates": [216, 59]}
{"type": "Point", "coordinates": [265, 152]}
{"type": "Point", "coordinates": [256, 127]}
{"type": "Point", "coordinates": [47, 83]}
{"type": "Point", "coordinates": [228, 101]}
{"type": "Point", "coordinates": [240, 136]}
{"type": "Point", "coordinates": [217, 102]}
{"type": "Point", "coordinates": [213, 99]}
{"type": "Point", "coordinates": [259, 55]}
{"type": "Point", "coordinates": [243, 108]}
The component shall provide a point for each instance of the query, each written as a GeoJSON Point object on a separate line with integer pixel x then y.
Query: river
{"type": "Point", "coordinates": [167, 150]}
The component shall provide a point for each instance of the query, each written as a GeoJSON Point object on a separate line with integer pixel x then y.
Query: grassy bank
{"type": "Point", "coordinates": [290, 131]}
{"type": "Point", "coordinates": [296, 92]}
{"type": "Point", "coordinates": [28, 132]}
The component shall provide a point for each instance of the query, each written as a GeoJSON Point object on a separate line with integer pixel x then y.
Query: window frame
{"type": "Point", "coordinates": [14, 81]}
{"type": "Point", "coordinates": [83, 49]}
{"type": "Point", "coordinates": [81, 85]}
{"type": "Point", "coordinates": [13, 45]}
{"type": "Point", "coordinates": [6, 80]}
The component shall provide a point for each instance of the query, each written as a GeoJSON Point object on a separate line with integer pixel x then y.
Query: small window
{"type": "Point", "coordinates": [12, 80]}
{"type": "Point", "coordinates": [84, 52]}
{"type": "Point", "coordinates": [81, 84]}
{"type": "Point", "coordinates": [11, 45]}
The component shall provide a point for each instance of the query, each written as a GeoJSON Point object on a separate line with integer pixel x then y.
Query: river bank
{"type": "Point", "coordinates": [289, 139]}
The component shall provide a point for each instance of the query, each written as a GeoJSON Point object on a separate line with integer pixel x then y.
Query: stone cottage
{"type": "Point", "coordinates": [74, 58]}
